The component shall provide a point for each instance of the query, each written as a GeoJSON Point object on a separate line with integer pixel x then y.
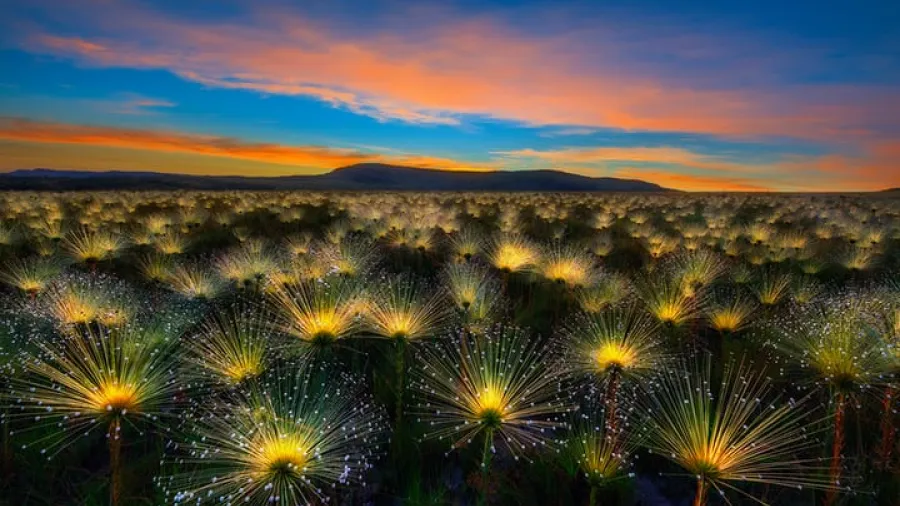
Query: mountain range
{"type": "Point", "coordinates": [359, 177]}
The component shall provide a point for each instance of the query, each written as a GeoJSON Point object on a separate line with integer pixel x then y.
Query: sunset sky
{"type": "Point", "coordinates": [694, 95]}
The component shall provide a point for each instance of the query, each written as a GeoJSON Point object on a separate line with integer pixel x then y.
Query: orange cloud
{"type": "Point", "coordinates": [476, 67]}
{"type": "Point", "coordinates": [691, 182]}
{"type": "Point", "coordinates": [599, 155]}
{"type": "Point", "coordinates": [317, 158]}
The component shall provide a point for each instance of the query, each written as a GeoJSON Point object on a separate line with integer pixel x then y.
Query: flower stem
{"type": "Point", "coordinates": [399, 372]}
{"type": "Point", "coordinates": [115, 453]}
{"type": "Point", "coordinates": [888, 429]}
{"type": "Point", "coordinates": [485, 465]}
{"type": "Point", "coordinates": [700, 499]}
{"type": "Point", "coordinates": [837, 446]}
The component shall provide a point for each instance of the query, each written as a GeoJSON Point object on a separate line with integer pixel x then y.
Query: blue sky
{"type": "Point", "coordinates": [695, 95]}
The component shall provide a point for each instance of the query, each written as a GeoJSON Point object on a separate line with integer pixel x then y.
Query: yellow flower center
{"type": "Point", "coordinates": [281, 455]}
{"type": "Point", "coordinates": [489, 406]}
{"type": "Point", "coordinates": [115, 397]}
{"type": "Point", "coordinates": [614, 355]}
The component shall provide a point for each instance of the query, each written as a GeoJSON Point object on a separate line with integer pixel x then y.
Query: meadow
{"type": "Point", "coordinates": [449, 348]}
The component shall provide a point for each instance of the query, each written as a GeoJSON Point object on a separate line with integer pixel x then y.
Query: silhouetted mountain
{"type": "Point", "coordinates": [364, 176]}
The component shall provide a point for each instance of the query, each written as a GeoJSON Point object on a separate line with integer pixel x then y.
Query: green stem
{"type": "Point", "coordinates": [7, 445]}
{"type": "Point", "coordinates": [115, 453]}
{"type": "Point", "coordinates": [399, 371]}
{"type": "Point", "coordinates": [700, 499]}
{"type": "Point", "coordinates": [485, 465]}
{"type": "Point", "coordinates": [592, 501]}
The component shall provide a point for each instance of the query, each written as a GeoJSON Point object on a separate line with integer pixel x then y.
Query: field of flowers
{"type": "Point", "coordinates": [448, 348]}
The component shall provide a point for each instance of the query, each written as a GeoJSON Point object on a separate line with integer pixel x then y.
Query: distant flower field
{"type": "Point", "coordinates": [449, 348]}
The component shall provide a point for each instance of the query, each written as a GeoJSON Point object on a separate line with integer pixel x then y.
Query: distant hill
{"type": "Point", "coordinates": [364, 176]}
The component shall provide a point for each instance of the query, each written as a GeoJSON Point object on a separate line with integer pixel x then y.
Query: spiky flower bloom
{"type": "Point", "coordinates": [601, 245]}
{"type": "Point", "coordinates": [830, 343]}
{"type": "Point", "coordinates": [659, 245]}
{"type": "Point", "coordinates": [90, 246]}
{"type": "Point", "coordinates": [699, 268]}
{"type": "Point", "coordinates": [805, 289]}
{"type": "Point", "coordinates": [349, 257]}
{"type": "Point", "coordinates": [735, 432]}
{"type": "Point", "coordinates": [613, 344]}
{"type": "Point", "coordinates": [771, 287]}
{"type": "Point", "coordinates": [50, 229]}
{"type": "Point", "coordinates": [76, 302]}
{"type": "Point", "coordinates": [247, 265]}
{"type": "Point", "coordinates": [7, 235]}
{"type": "Point", "coordinates": [474, 292]}
{"type": "Point", "coordinates": [400, 309]}
{"type": "Point", "coordinates": [512, 253]}
{"type": "Point", "coordinates": [495, 384]}
{"type": "Point", "coordinates": [320, 312]}
{"type": "Point", "coordinates": [31, 276]}
{"type": "Point", "coordinates": [298, 244]}
{"type": "Point", "coordinates": [292, 439]}
{"type": "Point", "coordinates": [608, 290]}
{"type": "Point", "coordinates": [193, 281]}
{"type": "Point", "coordinates": [94, 379]}
{"type": "Point", "coordinates": [856, 258]}
{"type": "Point", "coordinates": [466, 243]}
{"type": "Point", "coordinates": [567, 265]}
{"type": "Point", "coordinates": [616, 345]}
{"type": "Point", "coordinates": [731, 313]}
{"type": "Point", "coordinates": [665, 298]}
{"type": "Point", "coordinates": [155, 267]}
{"type": "Point", "coordinates": [231, 346]}
{"type": "Point", "coordinates": [603, 453]}
{"type": "Point", "coordinates": [171, 243]}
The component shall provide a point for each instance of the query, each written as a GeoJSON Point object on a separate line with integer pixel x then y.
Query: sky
{"type": "Point", "coordinates": [694, 95]}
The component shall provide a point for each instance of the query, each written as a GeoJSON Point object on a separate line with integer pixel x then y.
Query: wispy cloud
{"type": "Point", "coordinates": [137, 104]}
{"type": "Point", "coordinates": [301, 158]}
{"type": "Point", "coordinates": [692, 182]}
{"type": "Point", "coordinates": [440, 74]}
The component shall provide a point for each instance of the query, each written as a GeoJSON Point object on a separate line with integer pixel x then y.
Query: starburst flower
{"type": "Point", "coordinates": [232, 346]}
{"type": "Point", "coordinates": [730, 313]}
{"type": "Point", "coordinates": [400, 309]}
{"type": "Point", "coordinates": [170, 243]}
{"type": "Point", "coordinates": [320, 312]}
{"type": "Point", "coordinates": [94, 379]}
{"type": "Point", "coordinates": [155, 267]}
{"type": "Point", "coordinates": [193, 281]}
{"type": "Point", "coordinates": [772, 287]}
{"type": "Point", "coordinates": [31, 276]}
{"type": "Point", "coordinates": [512, 253]}
{"type": "Point", "coordinates": [567, 265]}
{"type": "Point", "coordinates": [90, 247]}
{"type": "Point", "coordinates": [613, 344]}
{"type": "Point", "coordinates": [665, 298]}
{"type": "Point", "coordinates": [806, 289]}
{"type": "Point", "coordinates": [466, 243]}
{"type": "Point", "coordinates": [490, 385]}
{"type": "Point", "coordinates": [79, 302]}
{"type": "Point", "coordinates": [830, 344]}
{"type": "Point", "coordinates": [475, 294]}
{"type": "Point", "coordinates": [602, 453]}
{"type": "Point", "coordinates": [349, 257]}
{"type": "Point", "coordinates": [699, 268]}
{"type": "Point", "coordinates": [736, 432]}
{"type": "Point", "coordinates": [608, 290]}
{"type": "Point", "coordinates": [248, 265]}
{"type": "Point", "coordinates": [291, 439]}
